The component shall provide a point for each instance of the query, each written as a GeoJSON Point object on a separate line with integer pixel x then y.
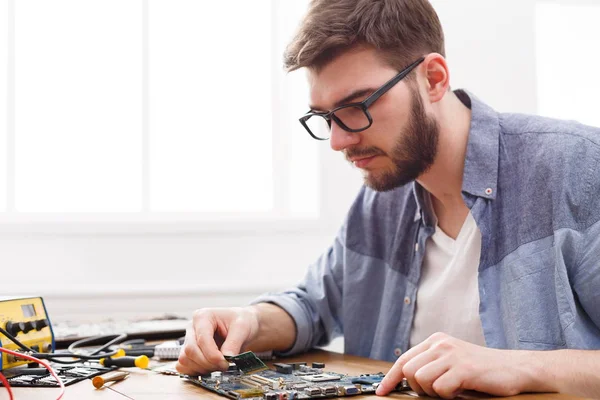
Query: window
{"type": "Point", "coordinates": [78, 106]}
{"type": "Point", "coordinates": [566, 36]}
{"type": "Point", "coordinates": [4, 21]}
{"type": "Point", "coordinates": [149, 108]}
{"type": "Point", "coordinates": [211, 131]}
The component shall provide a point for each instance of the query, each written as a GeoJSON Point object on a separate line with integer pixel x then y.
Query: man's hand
{"type": "Point", "coordinates": [218, 332]}
{"type": "Point", "coordinates": [233, 327]}
{"type": "Point", "coordinates": [443, 366]}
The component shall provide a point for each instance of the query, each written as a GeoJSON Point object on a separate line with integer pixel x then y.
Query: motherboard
{"type": "Point", "coordinates": [249, 378]}
{"type": "Point", "coordinates": [40, 377]}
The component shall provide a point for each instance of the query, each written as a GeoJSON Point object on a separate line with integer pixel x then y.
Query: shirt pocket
{"type": "Point", "coordinates": [535, 301]}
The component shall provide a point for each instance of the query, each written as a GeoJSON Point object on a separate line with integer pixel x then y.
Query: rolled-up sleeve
{"type": "Point", "coordinates": [316, 303]}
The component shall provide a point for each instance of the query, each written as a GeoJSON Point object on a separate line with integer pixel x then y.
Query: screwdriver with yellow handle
{"type": "Point", "coordinates": [126, 361]}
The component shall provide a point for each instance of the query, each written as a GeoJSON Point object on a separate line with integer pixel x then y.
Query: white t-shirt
{"type": "Point", "coordinates": [448, 294]}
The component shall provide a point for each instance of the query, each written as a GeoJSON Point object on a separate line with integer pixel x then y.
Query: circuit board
{"type": "Point", "coordinates": [294, 381]}
{"type": "Point", "coordinates": [40, 377]}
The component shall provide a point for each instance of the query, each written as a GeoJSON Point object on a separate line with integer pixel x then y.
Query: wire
{"type": "Point", "coordinates": [120, 338]}
{"type": "Point", "coordinates": [6, 385]}
{"type": "Point", "coordinates": [95, 355]}
{"type": "Point", "coordinates": [92, 341]}
{"type": "Point", "coordinates": [14, 340]}
{"type": "Point", "coordinates": [54, 357]}
{"type": "Point", "coordinates": [113, 339]}
{"type": "Point", "coordinates": [44, 363]}
{"type": "Point", "coordinates": [57, 361]}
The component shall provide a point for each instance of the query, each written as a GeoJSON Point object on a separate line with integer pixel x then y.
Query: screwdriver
{"type": "Point", "coordinates": [126, 361]}
{"type": "Point", "coordinates": [100, 381]}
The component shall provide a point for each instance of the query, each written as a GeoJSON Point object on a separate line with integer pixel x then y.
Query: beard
{"type": "Point", "coordinates": [412, 155]}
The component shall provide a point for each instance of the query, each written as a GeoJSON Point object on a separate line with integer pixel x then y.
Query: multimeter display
{"type": "Point", "coordinates": [28, 310]}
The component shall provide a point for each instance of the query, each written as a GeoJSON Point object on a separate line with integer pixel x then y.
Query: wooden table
{"type": "Point", "coordinates": [144, 384]}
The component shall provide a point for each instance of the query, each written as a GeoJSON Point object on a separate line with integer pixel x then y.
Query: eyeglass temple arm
{"type": "Point", "coordinates": [389, 84]}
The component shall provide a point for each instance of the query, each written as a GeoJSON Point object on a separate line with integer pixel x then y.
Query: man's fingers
{"type": "Point", "coordinates": [395, 375]}
{"type": "Point", "coordinates": [190, 360]}
{"type": "Point", "coordinates": [190, 357]}
{"type": "Point", "coordinates": [416, 350]}
{"type": "Point", "coordinates": [449, 384]}
{"type": "Point", "coordinates": [413, 366]}
{"type": "Point", "coordinates": [236, 337]}
{"type": "Point", "coordinates": [427, 374]}
{"type": "Point", "coordinates": [188, 367]}
{"type": "Point", "coordinates": [205, 332]}
{"type": "Point", "coordinates": [392, 378]}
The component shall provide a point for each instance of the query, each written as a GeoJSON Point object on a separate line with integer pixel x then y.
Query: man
{"type": "Point", "coordinates": [471, 257]}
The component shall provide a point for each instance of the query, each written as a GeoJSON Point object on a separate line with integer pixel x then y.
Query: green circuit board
{"type": "Point", "coordinates": [292, 381]}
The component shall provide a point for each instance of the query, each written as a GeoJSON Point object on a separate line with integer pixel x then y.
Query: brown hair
{"type": "Point", "coordinates": [401, 30]}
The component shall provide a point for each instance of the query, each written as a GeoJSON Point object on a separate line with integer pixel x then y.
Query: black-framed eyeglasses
{"type": "Point", "coordinates": [352, 117]}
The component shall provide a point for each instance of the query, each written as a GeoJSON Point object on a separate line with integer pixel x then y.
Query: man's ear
{"type": "Point", "coordinates": [437, 75]}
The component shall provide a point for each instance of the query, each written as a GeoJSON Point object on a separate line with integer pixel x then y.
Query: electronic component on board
{"type": "Point", "coordinates": [329, 390]}
{"type": "Point", "coordinates": [321, 378]}
{"type": "Point", "coordinates": [248, 393]}
{"type": "Point", "coordinates": [297, 365]}
{"type": "Point", "coordinates": [350, 390]}
{"type": "Point", "coordinates": [288, 381]}
{"type": "Point", "coordinates": [283, 368]}
{"type": "Point", "coordinates": [403, 385]}
{"type": "Point", "coordinates": [300, 386]}
{"type": "Point", "coordinates": [232, 367]}
{"type": "Point", "coordinates": [369, 379]}
{"type": "Point", "coordinates": [247, 362]}
{"type": "Point", "coordinates": [68, 374]}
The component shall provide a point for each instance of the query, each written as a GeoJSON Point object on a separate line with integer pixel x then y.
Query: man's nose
{"type": "Point", "coordinates": [341, 139]}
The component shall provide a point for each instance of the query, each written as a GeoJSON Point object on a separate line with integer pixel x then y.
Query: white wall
{"type": "Point", "coordinates": [490, 48]}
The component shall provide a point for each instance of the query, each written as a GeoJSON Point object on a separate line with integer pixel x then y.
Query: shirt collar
{"type": "Point", "coordinates": [480, 176]}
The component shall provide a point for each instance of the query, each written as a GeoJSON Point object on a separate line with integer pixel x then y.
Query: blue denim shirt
{"type": "Point", "coordinates": [533, 187]}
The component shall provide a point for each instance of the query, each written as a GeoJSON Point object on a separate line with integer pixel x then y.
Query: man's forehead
{"type": "Point", "coordinates": [347, 73]}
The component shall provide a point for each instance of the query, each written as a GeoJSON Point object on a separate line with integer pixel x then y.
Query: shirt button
{"type": "Point", "coordinates": [407, 300]}
{"type": "Point", "coordinates": [397, 352]}
{"type": "Point", "coordinates": [488, 191]}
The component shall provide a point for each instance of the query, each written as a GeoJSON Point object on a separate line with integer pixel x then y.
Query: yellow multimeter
{"type": "Point", "coordinates": [26, 319]}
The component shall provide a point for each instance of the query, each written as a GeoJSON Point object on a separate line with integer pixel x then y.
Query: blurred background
{"type": "Point", "coordinates": [152, 158]}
